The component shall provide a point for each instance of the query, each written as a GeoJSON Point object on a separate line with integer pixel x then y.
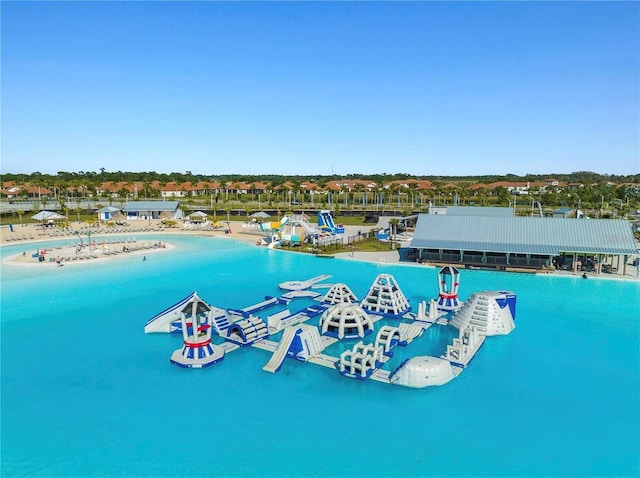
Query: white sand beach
{"type": "Point", "coordinates": [109, 245]}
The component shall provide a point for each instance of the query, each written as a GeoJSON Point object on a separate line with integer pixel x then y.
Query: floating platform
{"type": "Point", "coordinates": [305, 284]}
{"type": "Point", "coordinates": [298, 294]}
{"type": "Point", "coordinates": [485, 313]}
{"type": "Point", "coordinates": [182, 357]}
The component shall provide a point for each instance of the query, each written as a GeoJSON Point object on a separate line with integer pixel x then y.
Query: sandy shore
{"type": "Point", "coordinates": [105, 246]}
{"type": "Point", "coordinates": [74, 255]}
{"type": "Point", "coordinates": [134, 238]}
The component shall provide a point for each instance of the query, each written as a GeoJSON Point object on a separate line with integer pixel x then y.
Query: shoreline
{"type": "Point", "coordinates": [67, 256]}
{"type": "Point", "coordinates": [33, 236]}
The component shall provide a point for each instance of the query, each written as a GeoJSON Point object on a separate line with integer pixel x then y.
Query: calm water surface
{"type": "Point", "coordinates": [86, 393]}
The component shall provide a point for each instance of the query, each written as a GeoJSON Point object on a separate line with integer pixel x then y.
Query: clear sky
{"type": "Point", "coordinates": [318, 88]}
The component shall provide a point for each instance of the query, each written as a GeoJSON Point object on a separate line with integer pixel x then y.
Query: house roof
{"type": "Point", "coordinates": [524, 235]}
{"type": "Point", "coordinates": [148, 206]}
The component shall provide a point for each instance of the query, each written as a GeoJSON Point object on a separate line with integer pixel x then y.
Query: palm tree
{"type": "Point", "coordinates": [344, 189]}
{"type": "Point", "coordinates": [359, 188]}
{"type": "Point", "coordinates": [415, 191]}
{"type": "Point", "coordinates": [482, 194]}
{"type": "Point", "coordinates": [394, 189]}
{"type": "Point", "coordinates": [393, 231]}
{"type": "Point", "coordinates": [464, 193]}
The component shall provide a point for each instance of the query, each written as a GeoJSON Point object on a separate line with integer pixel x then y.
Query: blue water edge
{"type": "Point", "coordinates": [86, 393]}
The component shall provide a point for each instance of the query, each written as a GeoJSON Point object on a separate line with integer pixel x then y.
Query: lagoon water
{"type": "Point", "coordinates": [86, 393]}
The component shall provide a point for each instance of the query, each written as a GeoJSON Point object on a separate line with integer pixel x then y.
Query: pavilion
{"type": "Point", "coordinates": [152, 209]}
{"type": "Point", "coordinates": [504, 242]}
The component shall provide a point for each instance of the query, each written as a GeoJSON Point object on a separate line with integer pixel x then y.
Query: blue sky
{"type": "Point", "coordinates": [320, 88]}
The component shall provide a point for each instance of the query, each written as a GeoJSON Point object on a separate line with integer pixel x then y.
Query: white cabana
{"type": "Point", "coordinates": [48, 217]}
{"type": "Point", "coordinates": [259, 215]}
{"type": "Point", "coordinates": [197, 217]}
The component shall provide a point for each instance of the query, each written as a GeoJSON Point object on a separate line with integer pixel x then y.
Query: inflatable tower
{"type": "Point", "coordinates": [385, 298]}
{"type": "Point", "coordinates": [448, 281]}
{"type": "Point", "coordinates": [339, 294]}
{"type": "Point", "coordinates": [197, 350]}
{"type": "Point", "coordinates": [493, 312]}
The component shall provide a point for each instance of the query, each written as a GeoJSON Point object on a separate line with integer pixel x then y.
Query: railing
{"type": "Point", "coordinates": [489, 260]}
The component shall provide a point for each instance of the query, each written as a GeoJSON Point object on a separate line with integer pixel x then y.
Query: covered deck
{"type": "Point", "coordinates": [524, 243]}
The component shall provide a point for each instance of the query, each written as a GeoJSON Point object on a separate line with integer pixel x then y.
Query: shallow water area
{"type": "Point", "coordinates": [86, 393]}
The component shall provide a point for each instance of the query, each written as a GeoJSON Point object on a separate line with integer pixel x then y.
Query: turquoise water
{"type": "Point", "coordinates": [86, 393]}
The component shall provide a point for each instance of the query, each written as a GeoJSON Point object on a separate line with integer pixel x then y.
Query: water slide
{"type": "Point", "coordinates": [274, 225]}
{"type": "Point", "coordinates": [325, 221]}
{"type": "Point", "coordinates": [280, 353]}
{"type": "Point", "coordinates": [162, 321]}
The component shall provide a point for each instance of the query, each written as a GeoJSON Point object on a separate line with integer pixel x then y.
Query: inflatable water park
{"type": "Point", "coordinates": [370, 330]}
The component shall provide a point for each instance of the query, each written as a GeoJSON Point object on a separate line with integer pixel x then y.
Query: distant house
{"type": "Point", "coordinates": [476, 188]}
{"type": "Point", "coordinates": [173, 190]}
{"type": "Point", "coordinates": [12, 192]}
{"type": "Point", "coordinates": [515, 188]}
{"type": "Point", "coordinates": [152, 209]}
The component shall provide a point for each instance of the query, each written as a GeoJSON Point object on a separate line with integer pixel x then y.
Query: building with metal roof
{"type": "Point", "coordinates": [106, 213]}
{"type": "Point", "coordinates": [563, 212]}
{"type": "Point", "coordinates": [152, 209]}
{"type": "Point", "coordinates": [529, 242]}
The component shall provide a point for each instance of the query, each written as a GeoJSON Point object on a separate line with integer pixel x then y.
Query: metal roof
{"type": "Point", "coordinates": [524, 235]}
{"type": "Point", "coordinates": [146, 206]}
{"type": "Point", "coordinates": [108, 209]}
{"type": "Point", "coordinates": [478, 211]}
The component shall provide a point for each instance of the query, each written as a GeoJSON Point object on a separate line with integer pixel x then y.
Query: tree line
{"type": "Point", "coordinates": [95, 178]}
